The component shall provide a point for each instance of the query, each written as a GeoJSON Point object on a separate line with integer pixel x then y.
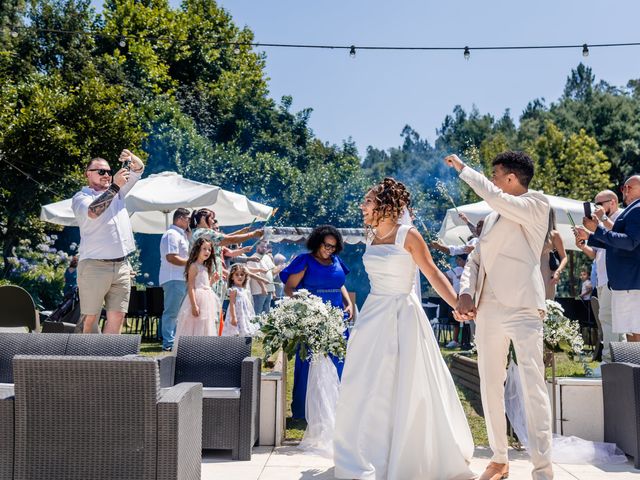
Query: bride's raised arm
{"type": "Point", "coordinates": [418, 249]}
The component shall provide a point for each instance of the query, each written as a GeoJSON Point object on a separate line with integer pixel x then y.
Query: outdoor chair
{"type": "Point", "coordinates": [6, 431]}
{"type": "Point", "coordinates": [121, 425]}
{"type": "Point", "coordinates": [154, 308]}
{"type": "Point", "coordinates": [17, 309]}
{"type": "Point", "coordinates": [231, 389]}
{"type": "Point", "coordinates": [621, 392]}
{"type": "Point", "coordinates": [12, 344]}
{"type": "Point", "coordinates": [136, 310]}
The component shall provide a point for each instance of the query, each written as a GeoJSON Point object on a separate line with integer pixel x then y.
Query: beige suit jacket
{"type": "Point", "coordinates": [507, 255]}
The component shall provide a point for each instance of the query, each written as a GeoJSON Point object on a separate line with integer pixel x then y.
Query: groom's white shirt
{"type": "Point", "coordinates": [508, 252]}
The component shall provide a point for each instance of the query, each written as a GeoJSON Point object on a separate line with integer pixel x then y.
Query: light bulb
{"type": "Point", "coordinates": [467, 53]}
{"type": "Point", "coordinates": [352, 51]}
{"type": "Point", "coordinates": [122, 42]}
{"type": "Point", "coordinates": [585, 50]}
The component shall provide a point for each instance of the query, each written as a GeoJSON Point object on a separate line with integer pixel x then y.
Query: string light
{"type": "Point", "coordinates": [352, 51]}
{"type": "Point", "coordinates": [14, 34]}
{"type": "Point", "coordinates": [467, 53]}
{"type": "Point", "coordinates": [122, 39]}
{"type": "Point", "coordinates": [236, 50]}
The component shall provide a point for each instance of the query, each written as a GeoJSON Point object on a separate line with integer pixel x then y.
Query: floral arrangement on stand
{"type": "Point", "coordinates": [558, 328]}
{"type": "Point", "coordinates": [303, 321]}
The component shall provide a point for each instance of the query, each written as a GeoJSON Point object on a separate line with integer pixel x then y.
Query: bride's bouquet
{"type": "Point", "coordinates": [304, 321]}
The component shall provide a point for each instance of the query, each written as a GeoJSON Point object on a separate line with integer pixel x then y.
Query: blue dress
{"type": "Point", "coordinates": [324, 281]}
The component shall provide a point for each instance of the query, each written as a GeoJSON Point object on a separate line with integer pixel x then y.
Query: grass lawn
{"type": "Point", "coordinates": [471, 403]}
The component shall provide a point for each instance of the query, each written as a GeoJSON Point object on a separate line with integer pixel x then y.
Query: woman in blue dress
{"type": "Point", "coordinates": [323, 274]}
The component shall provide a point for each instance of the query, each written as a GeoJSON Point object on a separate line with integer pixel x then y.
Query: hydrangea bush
{"type": "Point", "coordinates": [39, 270]}
{"type": "Point", "coordinates": [303, 321]}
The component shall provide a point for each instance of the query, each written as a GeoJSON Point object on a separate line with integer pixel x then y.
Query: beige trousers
{"type": "Point", "coordinates": [496, 326]}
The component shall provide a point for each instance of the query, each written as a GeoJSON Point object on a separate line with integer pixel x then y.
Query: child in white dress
{"type": "Point", "coordinates": [240, 313]}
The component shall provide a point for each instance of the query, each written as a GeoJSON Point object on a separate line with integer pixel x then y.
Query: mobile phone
{"type": "Point", "coordinates": [587, 209]}
{"type": "Point", "coordinates": [127, 164]}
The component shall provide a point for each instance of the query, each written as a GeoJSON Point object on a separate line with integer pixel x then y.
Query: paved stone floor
{"type": "Point", "coordinates": [287, 463]}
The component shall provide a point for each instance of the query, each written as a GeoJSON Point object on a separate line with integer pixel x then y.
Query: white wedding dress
{"type": "Point", "coordinates": [398, 415]}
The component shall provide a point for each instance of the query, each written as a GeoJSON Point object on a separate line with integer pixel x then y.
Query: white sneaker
{"type": "Point", "coordinates": [452, 344]}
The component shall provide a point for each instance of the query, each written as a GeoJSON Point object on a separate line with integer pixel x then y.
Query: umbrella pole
{"type": "Point", "coordinates": [166, 219]}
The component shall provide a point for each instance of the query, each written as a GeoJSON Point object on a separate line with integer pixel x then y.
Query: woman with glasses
{"type": "Point", "coordinates": [322, 273]}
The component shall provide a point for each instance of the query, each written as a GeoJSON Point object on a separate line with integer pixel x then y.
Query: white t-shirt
{"type": "Point", "coordinates": [460, 249]}
{"type": "Point", "coordinates": [266, 263]}
{"type": "Point", "coordinates": [173, 241]}
{"type": "Point", "coordinates": [601, 257]}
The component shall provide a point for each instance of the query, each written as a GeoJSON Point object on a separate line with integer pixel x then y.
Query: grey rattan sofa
{"type": "Point", "coordinates": [621, 392]}
{"type": "Point", "coordinates": [231, 389]}
{"type": "Point", "coordinates": [12, 344]}
{"type": "Point", "coordinates": [121, 425]}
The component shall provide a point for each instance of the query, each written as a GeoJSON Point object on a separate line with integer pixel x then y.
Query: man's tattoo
{"type": "Point", "coordinates": [100, 204]}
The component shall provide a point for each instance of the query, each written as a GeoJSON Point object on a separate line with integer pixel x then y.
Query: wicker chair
{"type": "Point", "coordinates": [621, 391]}
{"type": "Point", "coordinates": [12, 344]}
{"type": "Point", "coordinates": [122, 425]}
{"type": "Point", "coordinates": [6, 431]}
{"type": "Point", "coordinates": [231, 389]}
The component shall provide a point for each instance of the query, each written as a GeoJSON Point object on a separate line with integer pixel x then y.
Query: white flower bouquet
{"type": "Point", "coordinates": [557, 328]}
{"type": "Point", "coordinates": [304, 321]}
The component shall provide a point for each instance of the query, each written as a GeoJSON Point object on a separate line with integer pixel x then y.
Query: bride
{"type": "Point", "coordinates": [398, 415]}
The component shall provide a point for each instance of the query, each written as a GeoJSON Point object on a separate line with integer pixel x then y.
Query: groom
{"type": "Point", "coordinates": [502, 288]}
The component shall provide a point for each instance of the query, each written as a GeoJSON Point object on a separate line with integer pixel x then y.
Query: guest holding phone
{"type": "Point", "coordinates": [554, 258]}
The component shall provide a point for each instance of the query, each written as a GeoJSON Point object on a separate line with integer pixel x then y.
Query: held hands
{"type": "Point", "coordinates": [454, 161]}
{"type": "Point", "coordinates": [465, 308]}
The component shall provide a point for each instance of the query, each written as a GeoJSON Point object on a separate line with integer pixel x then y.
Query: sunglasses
{"type": "Point", "coordinates": [329, 246]}
{"type": "Point", "coordinates": [101, 171]}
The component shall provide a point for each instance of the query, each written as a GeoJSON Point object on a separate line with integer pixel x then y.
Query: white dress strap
{"type": "Point", "coordinates": [401, 236]}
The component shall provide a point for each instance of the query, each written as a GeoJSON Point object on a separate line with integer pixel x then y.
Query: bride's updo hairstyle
{"type": "Point", "coordinates": [391, 197]}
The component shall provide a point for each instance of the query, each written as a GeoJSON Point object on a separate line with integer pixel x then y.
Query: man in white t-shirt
{"type": "Point", "coordinates": [607, 211]}
{"type": "Point", "coordinates": [174, 253]}
{"type": "Point", "coordinates": [265, 268]}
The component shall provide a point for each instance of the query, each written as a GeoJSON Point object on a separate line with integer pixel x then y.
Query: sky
{"type": "Point", "coordinates": [371, 97]}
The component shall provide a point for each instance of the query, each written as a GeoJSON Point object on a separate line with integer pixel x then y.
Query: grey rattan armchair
{"type": "Point", "coordinates": [621, 392]}
{"type": "Point", "coordinates": [231, 389]}
{"type": "Point", "coordinates": [122, 425]}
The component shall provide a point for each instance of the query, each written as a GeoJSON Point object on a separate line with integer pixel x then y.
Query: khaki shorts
{"type": "Point", "coordinates": [107, 283]}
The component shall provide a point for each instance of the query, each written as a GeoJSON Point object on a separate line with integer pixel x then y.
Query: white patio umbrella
{"type": "Point", "coordinates": [153, 199]}
{"type": "Point", "coordinates": [453, 228]}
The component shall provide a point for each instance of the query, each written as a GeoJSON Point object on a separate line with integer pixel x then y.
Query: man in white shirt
{"type": "Point", "coordinates": [174, 253]}
{"type": "Point", "coordinates": [265, 267]}
{"type": "Point", "coordinates": [106, 239]}
{"type": "Point", "coordinates": [607, 211]}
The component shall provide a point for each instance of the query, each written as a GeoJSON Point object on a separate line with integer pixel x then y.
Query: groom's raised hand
{"type": "Point", "coordinates": [465, 308]}
{"type": "Point", "coordinates": [454, 161]}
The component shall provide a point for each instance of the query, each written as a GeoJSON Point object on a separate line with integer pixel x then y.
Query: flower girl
{"type": "Point", "coordinates": [200, 306]}
{"type": "Point", "coordinates": [240, 311]}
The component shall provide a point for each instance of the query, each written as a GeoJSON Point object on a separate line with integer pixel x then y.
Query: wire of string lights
{"type": "Point", "coordinates": [28, 176]}
{"type": "Point", "coordinates": [122, 40]}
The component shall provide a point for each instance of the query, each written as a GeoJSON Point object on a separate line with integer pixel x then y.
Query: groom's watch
{"type": "Point", "coordinates": [604, 218]}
